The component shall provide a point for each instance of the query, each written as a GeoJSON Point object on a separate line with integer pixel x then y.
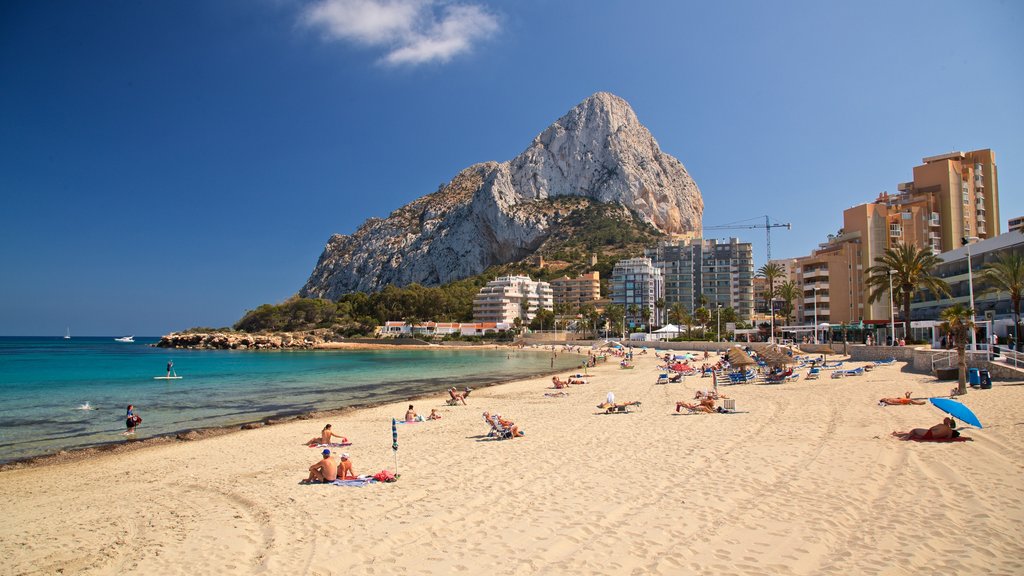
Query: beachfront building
{"type": "Point", "coordinates": [831, 281]}
{"type": "Point", "coordinates": [637, 284]}
{"type": "Point", "coordinates": [961, 191]}
{"type": "Point", "coordinates": [953, 269]}
{"type": "Point", "coordinates": [1015, 224]}
{"type": "Point", "coordinates": [509, 297]}
{"type": "Point", "coordinates": [571, 293]}
{"type": "Point", "coordinates": [707, 272]}
{"type": "Point", "coordinates": [402, 329]}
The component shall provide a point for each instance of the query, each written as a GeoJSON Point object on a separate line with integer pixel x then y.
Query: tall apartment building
{"type": "Point", "coordinates": [1015, 224]}
{"type": "Point", "coordinates": [962, 188]}
{"type": "Point", "coordinates": [509, 297]}
{"type": "Point", "coordinates": [722, 272]}
{"type": "Point", "coordinates": [638, 281]}
{"type": "Point", "coordinates": [574, 292]}
{"type": "Point", "coordinates": [831, 282]}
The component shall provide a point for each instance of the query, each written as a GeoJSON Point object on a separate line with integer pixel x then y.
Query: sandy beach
{"type": "Point", "coordinates": [805, 479]}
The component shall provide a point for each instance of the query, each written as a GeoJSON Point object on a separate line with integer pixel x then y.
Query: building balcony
{"type": "Point", "coordinates": [809, 300]}
{"type": "Point", "coordinates": [934, 220]}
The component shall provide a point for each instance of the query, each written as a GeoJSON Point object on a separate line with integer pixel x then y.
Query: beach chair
{"type": "Point", "coordinates": [813, 373]}
{"type": "Point", "coordinates": [499, 430]}
{"type": "Point", "coordinates": [662, 378]}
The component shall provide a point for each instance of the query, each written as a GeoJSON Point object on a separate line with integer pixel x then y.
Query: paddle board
{"type": "Point", "coordinates": [167, 377]}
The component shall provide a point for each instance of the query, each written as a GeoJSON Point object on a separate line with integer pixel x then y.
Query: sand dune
{"type": "Point", "coordinates": [805, 480]}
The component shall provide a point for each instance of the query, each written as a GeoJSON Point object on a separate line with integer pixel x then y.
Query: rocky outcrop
{"type": "Point", "coordinates": [494, 213]}
{"type": "Point", "coordinates": [242, 341]}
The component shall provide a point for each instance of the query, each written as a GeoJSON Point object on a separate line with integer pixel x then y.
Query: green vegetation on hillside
{"type": "Point", "coordinates": [582, 228]}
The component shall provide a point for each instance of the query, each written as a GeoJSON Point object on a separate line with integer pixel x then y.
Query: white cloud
{"type": "Point", "coordinates": [412, 31]}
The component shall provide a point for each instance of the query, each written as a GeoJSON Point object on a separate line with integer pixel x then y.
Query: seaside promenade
{"type": "Point", "coordinates": [804, 479]}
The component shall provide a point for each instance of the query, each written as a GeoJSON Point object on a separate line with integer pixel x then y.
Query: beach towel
{"type": "Point", "coordinates": [957, 439]}
{"type": "Point", "coordinates": [354, 482]}
{"type": "Point", "coordinates": [331, 445]}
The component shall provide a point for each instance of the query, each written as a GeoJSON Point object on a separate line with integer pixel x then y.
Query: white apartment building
{"type": "Point", "coordinates": [509, 297]}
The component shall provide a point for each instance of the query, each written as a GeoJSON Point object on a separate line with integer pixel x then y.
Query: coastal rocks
{"type": "Point", "coordinates": [243, 341]}
{"type": "Point", "coordinates": [495, 213]}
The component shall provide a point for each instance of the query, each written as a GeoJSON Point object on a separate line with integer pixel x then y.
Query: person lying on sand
{"type": "Point", "coordinates": [707, 404]}
{"type": "Point", "coordinates": [323, 471]}
{"type": "Point", "coordinates": [900, 401]}
{"type": "Point", "coordinates": [559, 383]}
{"type": "Point", "coordinates": [325, 436]}
{"type": "Point", "coordinates": [556, 394]}
{"type": "Point", "coordinates": [572, 380]}
{"type": "Point", "coordinates": [937, 432]}
{"type": "Point", "coordinates": [434, 415]}
{"type": "Point", "coordinates": [713, 394]}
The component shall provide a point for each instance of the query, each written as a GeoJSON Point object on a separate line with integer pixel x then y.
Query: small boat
{"type": "Point", "coordinates": [67, 333]}
{"type": "Point", "coordinates": [129, 339]}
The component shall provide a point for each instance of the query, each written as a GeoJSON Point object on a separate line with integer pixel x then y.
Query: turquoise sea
{"type": "Point", "coordinates": [43, 381]}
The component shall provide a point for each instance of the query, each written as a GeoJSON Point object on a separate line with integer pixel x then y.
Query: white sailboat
{"type": "Point", "coordinates": [128, 339]}
{"type": "Point", "coordinates": [67, 333]}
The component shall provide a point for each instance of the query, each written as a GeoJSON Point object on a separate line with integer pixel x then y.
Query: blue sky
{"type": "Point", "coordinates": [172, 164]}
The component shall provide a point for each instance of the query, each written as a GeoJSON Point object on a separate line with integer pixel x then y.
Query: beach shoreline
{"type": "Point", "coordinates": [193, 434]}
{"type": "Point", "coordinates": [804, 478]}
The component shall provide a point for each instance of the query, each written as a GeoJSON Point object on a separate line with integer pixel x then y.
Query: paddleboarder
{"type": "Point", "coordinates": [170, 368]}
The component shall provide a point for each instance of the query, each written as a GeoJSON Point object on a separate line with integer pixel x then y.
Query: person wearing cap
{"type": "Point", "coordinates": [345, 468]}
{"type": "Point", "coordinates": [326, 470]}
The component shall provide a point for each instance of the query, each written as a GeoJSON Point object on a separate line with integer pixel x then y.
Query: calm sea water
{"type": "Point", "coordinates": [44, 380]}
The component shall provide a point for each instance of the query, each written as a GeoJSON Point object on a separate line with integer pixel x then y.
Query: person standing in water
{"type": "Point", "coordinates": [131, 420]}
{"type": "Point", "coordinates": [170, 368]}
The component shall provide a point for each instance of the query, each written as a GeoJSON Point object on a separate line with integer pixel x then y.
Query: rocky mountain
{"type": "Point", "coordinates": [495, 213]}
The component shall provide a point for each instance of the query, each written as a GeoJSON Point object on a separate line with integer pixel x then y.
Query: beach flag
{"type": "Point", "coordinates": [394, 442]}
{"type": "Point", "coordinates": [714, 381]}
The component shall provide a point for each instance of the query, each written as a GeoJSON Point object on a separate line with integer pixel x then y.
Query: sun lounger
{"type": "Point", "coordinates": [662, 378]}
{"type": "Point", "coordinates": [813, 373]}
{"type": "Point", "coordinates": [886, 362]}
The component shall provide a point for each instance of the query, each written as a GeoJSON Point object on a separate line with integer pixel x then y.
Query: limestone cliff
{"type": "Point", "coordinates": [489, 214]}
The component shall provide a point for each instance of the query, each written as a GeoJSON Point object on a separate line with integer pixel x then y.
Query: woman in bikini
{"type": "Point", "coordinates": [906, 399]}
{"type": "Point", "coordinates": [942, 431]}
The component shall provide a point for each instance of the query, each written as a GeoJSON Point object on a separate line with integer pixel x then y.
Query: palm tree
{"type": "Point", "coordinates": [702, 315]}
{"type": "Point", "coordinates": [961, 321]}
{"type": "Point", "coordinates": [676, 313]}
{"type": "Point", "coordinates": [771, 272]}
{"type": "Point", "coordinates": [788, 292]}
{"type": "Point", "coordinates": [911, 272]}
{"type": "Point", "coordinates": [1006, 274]}
{"type": "Point", "coordinates": [614, 313]}
{"type": "Point", "coordinates": [659, 304]}
{"type": "Point", "coordinates": [634, 312]}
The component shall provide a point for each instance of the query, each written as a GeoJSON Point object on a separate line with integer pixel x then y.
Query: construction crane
{"type": "Point", "coordinates": [767, 230]}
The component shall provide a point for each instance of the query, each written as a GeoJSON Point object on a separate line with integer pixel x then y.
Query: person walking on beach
{"type": "Point", "coordinates": [131, 420]}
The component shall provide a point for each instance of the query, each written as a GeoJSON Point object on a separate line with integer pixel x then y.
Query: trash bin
{"type": "Point", "coordinates": [986, 380]}
{"type": "Point", "coordinates": [973, 377]}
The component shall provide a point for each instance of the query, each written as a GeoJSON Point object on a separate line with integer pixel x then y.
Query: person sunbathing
{"type": "Point", "coordinates": [906, 399]}
{"type": "Point", "coordinates": [707, 405]}
{"type": "Point", "coordinates": [559, 383]}
{"type": "Point", "coordinates": [457, 396]}
{"type": "Point", "coordinates": [556, 394]}
{"type": "Point", "coordinates": [323, 471]}
{"type": "Point", "coordinates": [572, 380]}
{"type": "Point", "coordinates": [938, 432]}
{"type": "Point", "coordinates": [325, 437]}
{"type": "Point", "coordinates": [434, 415]}
{"type": "Point", "coordinates": [675, 377]}
{"type": "Point", "coordinates": [345, 468]}
{"type": "Point", "coordinates": [410, 414]}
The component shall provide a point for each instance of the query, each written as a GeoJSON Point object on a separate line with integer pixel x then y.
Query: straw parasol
{"type": "Point", "coordinates": [737, 357]}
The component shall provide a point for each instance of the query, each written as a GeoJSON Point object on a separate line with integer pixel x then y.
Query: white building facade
{"type": "Point", "coordinates": [509, 297]}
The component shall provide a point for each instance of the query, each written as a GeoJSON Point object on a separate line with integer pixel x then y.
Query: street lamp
{"type": "Point", "coordinates": [718, 332]}
{"type": "Point", "coordinates": [815, 289]}
{"type": "Point", "coordinates": [892, 315]}
{"type": "Point", "coordinates": [970, 287]}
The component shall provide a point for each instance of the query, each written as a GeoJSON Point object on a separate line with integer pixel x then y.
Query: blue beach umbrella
{"type": "Point", "coordinates": [956, 410]}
